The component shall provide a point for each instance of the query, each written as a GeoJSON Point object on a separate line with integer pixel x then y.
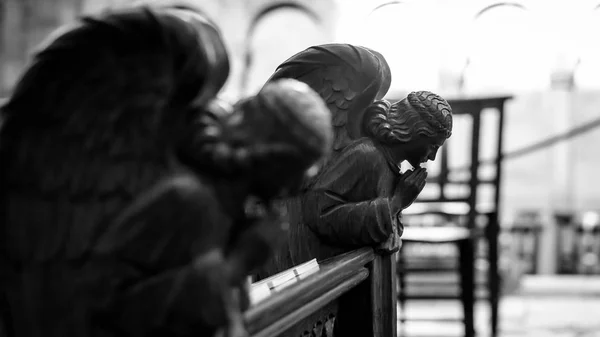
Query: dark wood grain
{"type": "Point", "coordinates": [383, 296]}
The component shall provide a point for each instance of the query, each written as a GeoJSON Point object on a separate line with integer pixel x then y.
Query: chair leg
{"type": "Point", "coordinates": [467, 271]}
{"type": "Point", "coordinates": [494, 301]}
{"type": "Point", "coordinates": [493, 273]}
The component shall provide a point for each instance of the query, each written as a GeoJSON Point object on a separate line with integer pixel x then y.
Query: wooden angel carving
{"type": "Point", "coordinates": [123, 181]}
{"type": "Point", "coordinates": [358, 194]}
{"type": "Point", "coordinates": [357, 197]}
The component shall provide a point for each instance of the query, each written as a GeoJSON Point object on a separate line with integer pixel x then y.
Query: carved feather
{"type": "Point", "coordinates": [347, 77]}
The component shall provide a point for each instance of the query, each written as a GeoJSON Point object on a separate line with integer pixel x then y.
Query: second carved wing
{"type": "Point", "coordinates": [347, 77]}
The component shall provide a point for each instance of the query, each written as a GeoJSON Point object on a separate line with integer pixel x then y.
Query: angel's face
{"type": "Point", "coordinates": [419, 150]}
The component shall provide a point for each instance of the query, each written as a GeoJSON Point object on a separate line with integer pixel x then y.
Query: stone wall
{"type": "Point", "coordinates": [26, 22]}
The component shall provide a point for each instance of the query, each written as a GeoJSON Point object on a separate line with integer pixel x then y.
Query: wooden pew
{"type": "Point", "coordinates": [309, 307]}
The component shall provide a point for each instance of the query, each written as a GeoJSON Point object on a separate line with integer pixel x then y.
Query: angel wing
{"type": "Point", "coordinates": [347, 77]}
{"type": "Point", "coordinates": [90, 119]}
{"type": "Point", "coordinates": [86, 130]}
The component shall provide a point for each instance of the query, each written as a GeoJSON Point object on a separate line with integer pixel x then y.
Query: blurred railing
{"type": "Point", "coordinates": [578, 243]}
{"type": "Point", "coordinates": [523, 239]}
{"type": "Point", "coordinates": [574, 238]}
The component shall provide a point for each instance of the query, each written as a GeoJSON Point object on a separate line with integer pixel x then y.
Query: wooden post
{"type": "Point", "coordinates": [384, 296]}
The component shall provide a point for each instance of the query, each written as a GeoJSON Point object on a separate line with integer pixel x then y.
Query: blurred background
{"type": "Point", "coordinates": [544, 54]}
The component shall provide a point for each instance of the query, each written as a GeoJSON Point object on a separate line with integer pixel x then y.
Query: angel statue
{"type": "Point", "coordinates": [357, 197]}
{"type": "Point", "coordinates": [123, 181]}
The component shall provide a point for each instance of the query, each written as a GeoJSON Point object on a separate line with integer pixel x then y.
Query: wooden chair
{"type": "Point", "coordinates": [309, 307]}
{"type": "Point", "coordinates": [460, 214]}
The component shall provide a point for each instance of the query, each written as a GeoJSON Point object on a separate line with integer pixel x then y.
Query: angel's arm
{"type": "Point", "coordinates": [254, 245]}
{"type": "Point", "coordinates": [348, 204]}
{"type": "Point", "coordinates": [161, 264]}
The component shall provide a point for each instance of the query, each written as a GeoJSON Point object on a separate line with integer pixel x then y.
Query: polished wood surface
{"type": "Point", "coordinates": [310, 306]}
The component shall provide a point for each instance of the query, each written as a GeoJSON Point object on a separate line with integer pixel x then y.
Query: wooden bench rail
{"type": "Point", "coordinates": [290, 306]}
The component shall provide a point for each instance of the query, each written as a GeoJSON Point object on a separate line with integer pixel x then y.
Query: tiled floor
{"type": "Point", "coordinates": [542, 307]}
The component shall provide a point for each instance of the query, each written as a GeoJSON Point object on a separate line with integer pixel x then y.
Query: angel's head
{"type": "Point", "coordinates": [286, 129]}
{"type": "Point", "coordinates": [272, 140]}
{"type": "Point", "coordinates": [413, 128]}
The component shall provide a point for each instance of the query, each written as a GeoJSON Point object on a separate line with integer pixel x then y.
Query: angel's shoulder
{"type": "Point", "coordinates": [362, 152]}
{"type": "Point", "coordinates": [362, 147]}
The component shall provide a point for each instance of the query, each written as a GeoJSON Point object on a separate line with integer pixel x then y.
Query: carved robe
{"type": "Point", "coordinates": [347, 207]}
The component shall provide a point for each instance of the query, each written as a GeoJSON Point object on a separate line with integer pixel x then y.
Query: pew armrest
{"type": "Point", "coordinates": [282, 310]}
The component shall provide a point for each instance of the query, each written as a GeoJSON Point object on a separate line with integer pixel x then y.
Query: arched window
{"type": "Point", "coordinates": [277, 35]}
{"type": "Point", "coordinates": [587, 73]}
{"type": "Point", "coordinates": [398, 30]}
{"type": "Point", "coordinates": [508, 52]}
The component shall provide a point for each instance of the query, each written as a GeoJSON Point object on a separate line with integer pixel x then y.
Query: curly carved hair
{"type": "Point", "coordinates": [420, 113]}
